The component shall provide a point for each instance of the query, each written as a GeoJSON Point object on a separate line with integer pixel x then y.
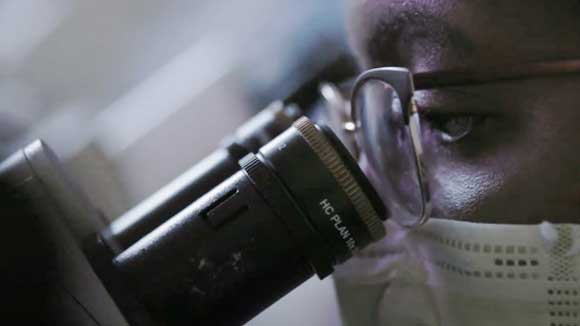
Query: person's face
{"type": "Point", "coordinates": [519, 161]}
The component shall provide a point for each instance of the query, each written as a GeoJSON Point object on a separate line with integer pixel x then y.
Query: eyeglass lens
{"type": "Point", "coordinates": [387, 141]}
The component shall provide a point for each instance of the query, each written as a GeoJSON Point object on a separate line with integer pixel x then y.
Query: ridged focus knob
{"type": "Point", "coordinates": [342, 173]}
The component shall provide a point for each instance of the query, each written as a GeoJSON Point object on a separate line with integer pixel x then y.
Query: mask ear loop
{"type": "Point", "coordinates": [575, 249]}
{"type": "Point", "coordinates": [552, 235]}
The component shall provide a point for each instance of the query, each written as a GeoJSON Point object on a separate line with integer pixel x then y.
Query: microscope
{"type": "Point", "coordinates": [282, 200]}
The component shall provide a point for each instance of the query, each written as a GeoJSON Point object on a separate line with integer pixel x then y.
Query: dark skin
{"type": "Point", "coordinates": [520, 161]}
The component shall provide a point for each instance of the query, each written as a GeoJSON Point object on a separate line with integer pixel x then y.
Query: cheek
{"type": "Point", "coordinates": [459, 192]}
{"type": "Point", "coordinates": [529, 172]}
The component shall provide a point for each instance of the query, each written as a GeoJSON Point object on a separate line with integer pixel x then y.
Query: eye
{"type": "Point", "coordinates": [451, 128]}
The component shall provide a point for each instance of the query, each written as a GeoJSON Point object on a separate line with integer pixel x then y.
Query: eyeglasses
{"type": "Point", "coordinates": [386, 123]}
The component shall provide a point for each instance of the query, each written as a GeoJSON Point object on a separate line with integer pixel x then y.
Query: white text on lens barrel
{"type": "Point", "coordinates": [345, 234]}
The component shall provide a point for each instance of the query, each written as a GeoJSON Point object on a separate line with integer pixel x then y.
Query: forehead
{"type": "Point", "coordinates": [451, 33]}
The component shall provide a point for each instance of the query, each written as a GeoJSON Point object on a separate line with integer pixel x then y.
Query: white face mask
{"type": "Point", "coordinates": [454, 273]}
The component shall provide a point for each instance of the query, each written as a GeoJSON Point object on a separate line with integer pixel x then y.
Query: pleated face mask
{"type": "Point", "coordinates": [456, 273]}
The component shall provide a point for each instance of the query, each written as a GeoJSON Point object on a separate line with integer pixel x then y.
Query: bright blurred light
{"type": "Point", "coordinates": [25, 24]}
{"type": "Point", "coordinates": [167, 90]}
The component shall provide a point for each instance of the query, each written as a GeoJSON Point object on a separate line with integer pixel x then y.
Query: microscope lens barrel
{"type": "Point", "coordinates": [296, 208]}
{"type": "Point", "coordinates": [221, 164]}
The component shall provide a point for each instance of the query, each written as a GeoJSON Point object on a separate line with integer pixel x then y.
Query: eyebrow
{"type": "Point", "coordinates": [398, 27]}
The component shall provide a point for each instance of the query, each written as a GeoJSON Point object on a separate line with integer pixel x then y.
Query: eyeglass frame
{"type": "Point", "coordinates": [405, 83]}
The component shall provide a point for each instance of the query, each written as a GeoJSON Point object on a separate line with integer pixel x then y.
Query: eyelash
{"type": "Point", "coordinates": [452, 128]}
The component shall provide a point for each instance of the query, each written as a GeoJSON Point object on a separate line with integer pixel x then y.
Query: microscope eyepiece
{"type": "Point", "coordinates": [297, 207]}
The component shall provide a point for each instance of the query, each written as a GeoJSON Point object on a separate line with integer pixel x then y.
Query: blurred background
{"type": "Point", "coordinates": [132, 93]}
